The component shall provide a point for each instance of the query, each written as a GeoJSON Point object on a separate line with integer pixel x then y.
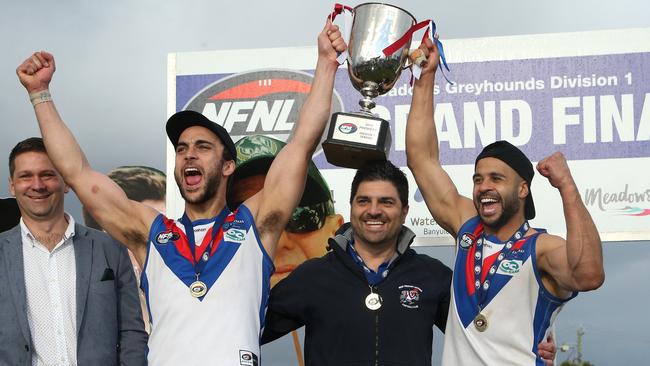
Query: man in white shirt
{"type": "Point", "coordinates": [67, 293]}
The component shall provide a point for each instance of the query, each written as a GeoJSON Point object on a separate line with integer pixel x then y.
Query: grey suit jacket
{"type": "Point", "coordinates": [110, 330]}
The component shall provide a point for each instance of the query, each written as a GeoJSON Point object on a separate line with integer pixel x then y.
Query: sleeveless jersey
{"type": "Point", "coordinates": [518, 308]}
{"type": "Point", "coordinates": [223, 327]}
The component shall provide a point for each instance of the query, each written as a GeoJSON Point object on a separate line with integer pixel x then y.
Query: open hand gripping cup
{"type": "Point", "coordinates": [354, 138]}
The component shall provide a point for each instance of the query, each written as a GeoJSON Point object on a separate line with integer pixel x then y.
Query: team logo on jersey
{"type": "Point", "coordinates": [409, 296]}
{"type": "Point", "coordinates": [263, 102]}
{"type": "Point", "coordinates": [466, 240]}
{"type": "Point", "coordinates": [165, 236]}
{"type": "Point", "coordinates": [510, 267]}
{"type": "Point", "coordinates": [247, 358]}
{"type": "Point", "coordinates": [235, 235]}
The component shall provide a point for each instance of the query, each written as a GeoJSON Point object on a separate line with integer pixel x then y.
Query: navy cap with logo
{"type": "Point", "coordinates": [255, 154]}
{"type": "Point", "coordinates": [179, 121]}
{"type": "Point", "coordinates": [518, 161]}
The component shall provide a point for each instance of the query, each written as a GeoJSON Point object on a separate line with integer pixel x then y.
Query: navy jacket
{"type": "Point", "coordinates": [327, 296]}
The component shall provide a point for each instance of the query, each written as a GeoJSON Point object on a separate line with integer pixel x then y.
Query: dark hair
{"type": "Point", "coordinates": [32, 144]}
{"type": "Point", "coordinates": [139, 183]}
{"type": "Point", "coordinates": [381, 170]}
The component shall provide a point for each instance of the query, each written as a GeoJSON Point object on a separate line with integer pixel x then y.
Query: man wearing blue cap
{"type": "Point", "coordinates": [510, 280]}
{"type": "Point", "coordinates": [206, 276]}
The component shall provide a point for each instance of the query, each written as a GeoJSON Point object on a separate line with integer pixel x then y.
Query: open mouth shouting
{"type": "Point", "coordinates": [192, 177]}
{"type": "Point", "coordinates": [488, 205]}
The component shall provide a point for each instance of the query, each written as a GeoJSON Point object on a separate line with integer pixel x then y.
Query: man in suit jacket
{"type": "Point", "coordinates": [67, 293]}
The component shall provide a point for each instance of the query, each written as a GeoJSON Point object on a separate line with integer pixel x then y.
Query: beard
{"type": "Point", "coordinates": [510, 204]}
{"type": "Point", "coordinates": [211, 184]}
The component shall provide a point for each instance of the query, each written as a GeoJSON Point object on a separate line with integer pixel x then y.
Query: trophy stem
{"type": "Point", "coordinates": [369, 90]}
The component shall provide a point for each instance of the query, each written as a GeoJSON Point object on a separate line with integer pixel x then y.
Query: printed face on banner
{"type": "Point", "coordinates": [294, 246]}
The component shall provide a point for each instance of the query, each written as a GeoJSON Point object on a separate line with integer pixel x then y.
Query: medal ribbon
{"type": "Point", "coordinates": [373, 278]}
{"type": "Point", "coordinates": [199, 264]}
{"type": "Point", "coordinates": [427, 34]}
{"type": "Point", "coordinates": [481, 272]}
{"type": "Point", "coordinates": [338, 9]}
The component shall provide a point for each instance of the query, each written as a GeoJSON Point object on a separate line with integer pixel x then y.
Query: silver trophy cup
{"type": "Point", "coordinates": [354, 138]}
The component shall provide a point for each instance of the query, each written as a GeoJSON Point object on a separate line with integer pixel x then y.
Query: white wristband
{"type": "Point", "coordinates": [40, 97]}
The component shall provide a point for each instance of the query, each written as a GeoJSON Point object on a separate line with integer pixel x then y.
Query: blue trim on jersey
{"type": "Point", "coordinates": [267, 268]}
{"type": "Point", "coordinates": [547, 304]}
{"type": "Point", "coordinates": [267, 257]}
{"type": "Point", "coordinates": [543, 288]}
{"type": "Point", "coordinates": [466, 305]}
{"type": "Point", "coordinates": [184, 269]}
{"type": "Point", "coordinates": [144, 285]}
{"type": "Point", "coordinates": [144, 282]}
{"type": "Point", "coordinates": [267, 271]}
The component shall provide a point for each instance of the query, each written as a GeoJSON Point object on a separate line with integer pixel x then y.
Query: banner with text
{"type": "Point", "coordinates": [584, 94]}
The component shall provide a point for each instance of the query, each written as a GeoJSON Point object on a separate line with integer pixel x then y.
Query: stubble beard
{"type": "Point", "coordinates": [210, 187]}
{"type": "Point", "coordinates": [511, 206]}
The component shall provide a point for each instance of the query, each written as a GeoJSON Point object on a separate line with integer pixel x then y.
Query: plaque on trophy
{"type": "Point", "coordinates": [354, 138]}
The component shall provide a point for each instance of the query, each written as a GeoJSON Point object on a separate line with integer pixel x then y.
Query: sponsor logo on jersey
{"type": "Point", "coordinates": [510, 266]}
{"type": "Point", "coordinates": [409, 296]}
{"type": "Point", "coordinates": [466, 240]}
{"type": "Point", "coordinates": [348, 128]}
{"type": "Point", "coordinates": [237, 223]}
{"type": "Point", "coordinates": [235, 235]}
{"type": "Point", "coordinates": [265, 102]}
{"type": "Point", "coordinates": [248, 358]}
{"type": "Point", "coordinates": [165, 236]}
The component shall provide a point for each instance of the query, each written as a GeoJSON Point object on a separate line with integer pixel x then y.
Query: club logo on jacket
{"type": "Point", "coordinates": [409, 296]}
{"type": "Point", "coordinates": [165, 236]}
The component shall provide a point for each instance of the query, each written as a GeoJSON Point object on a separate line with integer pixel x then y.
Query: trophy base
{"type": "Point", "coordinates": [353, 139]}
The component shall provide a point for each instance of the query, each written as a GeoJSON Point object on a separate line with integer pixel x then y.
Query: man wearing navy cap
{"type": "Point", "coordinates": [206, 276]}
{"type": "Point", "coordinates": [510, 280]}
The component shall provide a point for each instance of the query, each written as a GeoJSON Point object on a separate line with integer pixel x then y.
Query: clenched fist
{"type": "Point", "coordinates": [556, 170]}
{"type": "Point", "coordinates": [35, 73]}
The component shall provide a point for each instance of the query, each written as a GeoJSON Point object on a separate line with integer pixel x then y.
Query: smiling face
{"type": "Point", "coordinates": [499, 193]}
{"type": "Point", "coordinates": [199, 164]}
{"type": "Point", "coordinates": [37, 186]}
{"type": "Point", "coordinates": [377, 214]}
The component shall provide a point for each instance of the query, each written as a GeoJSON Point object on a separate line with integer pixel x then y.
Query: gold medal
{"type": "Point", "coordinates": [198, 288]}
{"type": "Point", "coordinates": [480, 322]}
{"type": "Point", "coordinates": [373, 301]}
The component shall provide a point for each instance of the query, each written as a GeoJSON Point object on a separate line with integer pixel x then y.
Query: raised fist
{"type": "Point", "coordinates": [35, 73]}
{"type": "Point", "coordinates": [556, 170]}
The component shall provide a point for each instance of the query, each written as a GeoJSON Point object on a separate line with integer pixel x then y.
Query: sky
{"type": "Point", "coordinates": [110, 87]}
